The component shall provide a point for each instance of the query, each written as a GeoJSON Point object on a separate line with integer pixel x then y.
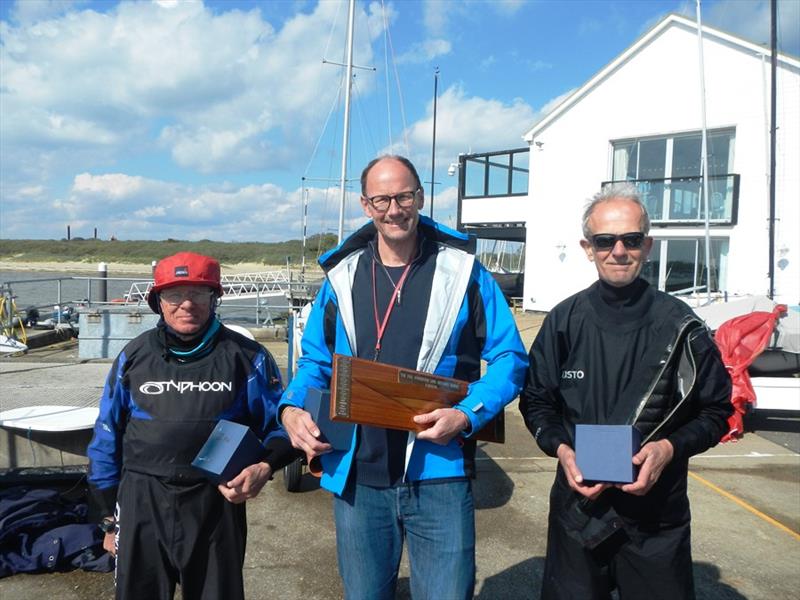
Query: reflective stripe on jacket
{"type": "Point", "coordinates": [331, 329]}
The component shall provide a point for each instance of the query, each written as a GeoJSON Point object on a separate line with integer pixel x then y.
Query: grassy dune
{"type": "Point", "coordinates": [91, 251]}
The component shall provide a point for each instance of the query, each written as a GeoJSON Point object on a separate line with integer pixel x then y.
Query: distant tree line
{"type": "Point", "coordinates": [144, 252]}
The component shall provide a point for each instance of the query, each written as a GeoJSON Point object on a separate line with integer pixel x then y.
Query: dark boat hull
{"type": "Point", "coordinates": [510, 284]}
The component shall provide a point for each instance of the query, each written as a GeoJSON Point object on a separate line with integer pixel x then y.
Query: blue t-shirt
{"type": "Point", "coordinates": [380, 454]}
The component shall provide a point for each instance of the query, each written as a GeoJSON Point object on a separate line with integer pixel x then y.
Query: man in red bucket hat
{"type": "Point", "coordinates": [185, 268]}
{"type": "Point", "coordinates": [164, 521]}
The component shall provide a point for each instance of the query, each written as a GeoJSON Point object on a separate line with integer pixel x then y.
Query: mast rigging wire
{"type": "Point", "coordinates": [386, 72]}
{"type": "Point", "coordinates": [368, 134]}
{"type": "Point", "coordinates": [399, 90]}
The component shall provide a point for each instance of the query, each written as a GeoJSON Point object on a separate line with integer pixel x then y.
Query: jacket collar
{"type": "Point", "coordinates": [427, 228]}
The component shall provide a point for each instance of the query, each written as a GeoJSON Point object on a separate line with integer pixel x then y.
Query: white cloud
{"type": "Point", "coordinates": [445, 204]}
{"type": "Point", "coordinates": [226, 91]}
{"type": "Point", "coordinates": [380, 16]}
{"type": "Point", "coordinates": [465, 125]}
{"type": "Point", "coordinates": [425, 51]}
{"type": "Point", "coordinates": [436, 15]}
{"type": "Point", "coordinates": [148, 212]}
{"type": "Point", "coordinates": [508, 7]}
{"type": "Point", "coordinates": [469, 124]}
{"type": "Point", "coordinates": [141, 208]}
{"type": "Point", "coordinates": [31, 11]}
{"type": "Point", "coordinates": [116, 186]}
{"type": "Point", "coordinates": [551, 104]}
{"type": "Point", "coordinates": [33, 191]}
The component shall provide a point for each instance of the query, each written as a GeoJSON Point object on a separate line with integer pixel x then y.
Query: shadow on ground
{"type": "Point", "coordinates": [493, 488]}
{"type": "Point", "coordinates": [524, 581]}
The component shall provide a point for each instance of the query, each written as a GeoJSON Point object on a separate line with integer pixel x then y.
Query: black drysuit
{"type": "Point", "coordinates": [174, 526]}
{"type": "Point", "coordinates": [598, 354]}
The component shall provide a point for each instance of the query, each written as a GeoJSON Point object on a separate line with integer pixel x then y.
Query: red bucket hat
{"type": "Point", "coordinates": [184, 268]}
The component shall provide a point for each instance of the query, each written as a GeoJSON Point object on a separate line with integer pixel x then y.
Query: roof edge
{"type": "Point", "coordinates": [642, 41]}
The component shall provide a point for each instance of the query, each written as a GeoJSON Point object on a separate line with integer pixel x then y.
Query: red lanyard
{"type": "Point", "coordinates": [380, 327]}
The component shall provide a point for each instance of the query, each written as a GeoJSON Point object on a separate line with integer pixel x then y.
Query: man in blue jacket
{"type": "Point", "coordinates": [406, 291]}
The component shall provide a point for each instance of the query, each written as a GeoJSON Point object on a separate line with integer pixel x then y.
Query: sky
{"type": "Point", "coordinates": [220, 119]}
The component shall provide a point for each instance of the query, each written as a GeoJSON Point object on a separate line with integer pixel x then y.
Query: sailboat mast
{"type": "Point", "coordinates": [704, 152]}
{"type": "Point", "coordinates": [346, 134]}
{"type": "Point", "coordinates": [433, 149]}
{"type": "Point", "coordinates": [305, 227]}
{"type": "Point", "coordinates": [773, 126]}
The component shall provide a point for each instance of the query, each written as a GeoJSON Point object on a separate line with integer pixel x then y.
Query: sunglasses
{"type": "Point", "coordinates": [174, 298]}
{"type": "Point", "coordinates": [606, 241]}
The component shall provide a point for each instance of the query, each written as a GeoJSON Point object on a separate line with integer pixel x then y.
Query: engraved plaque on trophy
{"type": "Point", "coordinates": [372, 393]}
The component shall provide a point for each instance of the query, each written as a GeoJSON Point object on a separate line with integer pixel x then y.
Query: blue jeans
{"type": "Point", "coordinates": [438, 519]}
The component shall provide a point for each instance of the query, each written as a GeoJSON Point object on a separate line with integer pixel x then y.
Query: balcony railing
{"type": "Point", "coordinates": [679, 200]}
{"type": "Point", "coordinates": [494, 174]}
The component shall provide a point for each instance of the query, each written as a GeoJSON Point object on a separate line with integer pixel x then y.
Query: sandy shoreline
{"type": "Point", "coordinates": [119, 269]}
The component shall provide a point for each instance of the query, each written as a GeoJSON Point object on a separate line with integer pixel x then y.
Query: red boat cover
{"type": "Point", "coordinates": [740, 340]}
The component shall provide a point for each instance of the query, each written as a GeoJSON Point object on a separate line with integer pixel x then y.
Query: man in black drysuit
{"type": "Point", "coordinates": [165, 522]}
{"type": "Point", "coordinates": [621, 352]}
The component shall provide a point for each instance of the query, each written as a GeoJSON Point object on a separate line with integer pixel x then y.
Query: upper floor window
{"type": "Point", "coordinates": [495, 174]}
{"type": "Point", "coordinates": [667, 170]}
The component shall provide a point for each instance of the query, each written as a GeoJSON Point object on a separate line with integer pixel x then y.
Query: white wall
{"type": "Point", "coordinates": [656, 92]}
{"type": "Point", "coordinates": [503, 209]}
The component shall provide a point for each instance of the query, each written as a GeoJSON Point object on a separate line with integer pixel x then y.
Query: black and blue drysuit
{"type": "Point", "coordinates": [157, 411]}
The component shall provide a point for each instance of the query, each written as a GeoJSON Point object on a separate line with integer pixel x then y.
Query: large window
{"type": "Point", "coordinates": [667, 170]}
{"type": "Point", "coordinates": [495, 174]}
{"type": "Point", "coordinates": [679, 265]}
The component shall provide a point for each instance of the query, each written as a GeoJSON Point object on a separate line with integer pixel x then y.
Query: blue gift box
{"type": "Point", "coordinates": [604, 452]}
{"type": "Point", "coordinates": [230, 448]}
{"type": "Point", "coordinates": [337, 434]}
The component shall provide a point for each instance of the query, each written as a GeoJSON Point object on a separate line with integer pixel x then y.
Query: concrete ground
{"type": "Point", "coordinates": [745, 504]}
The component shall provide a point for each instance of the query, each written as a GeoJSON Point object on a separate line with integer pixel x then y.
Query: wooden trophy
{"type": "Point", "coordinates": [372, 393]}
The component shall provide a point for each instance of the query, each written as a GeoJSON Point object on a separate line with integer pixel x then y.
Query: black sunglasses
{"type": "Point", "coordinates": [606, 241]}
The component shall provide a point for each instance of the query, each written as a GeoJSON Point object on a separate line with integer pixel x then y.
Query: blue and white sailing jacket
{"type": "Point", "coordinates": [464, 302]}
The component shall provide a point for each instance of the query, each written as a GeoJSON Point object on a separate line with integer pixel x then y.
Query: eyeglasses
{"type": "Point", "coordinates": [382, 203]}
{"type": "Point", "coordinates": [606, 241]}
{"type": "Point", "coordinates": [174, 298]}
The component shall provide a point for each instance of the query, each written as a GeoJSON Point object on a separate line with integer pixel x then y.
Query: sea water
{"type": "Point", "coordinates": [40, 289]}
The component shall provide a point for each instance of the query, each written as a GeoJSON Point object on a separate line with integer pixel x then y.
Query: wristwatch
{"type": "Point", "coordinates": [107, 525]}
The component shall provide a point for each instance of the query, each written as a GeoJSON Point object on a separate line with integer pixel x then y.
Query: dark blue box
{"type": "Point", "coordinates": [337, 434]}
{"type": "Point", "coordinates": [229, 449]}
{"type": "Point", "coordinates": [604, 452]}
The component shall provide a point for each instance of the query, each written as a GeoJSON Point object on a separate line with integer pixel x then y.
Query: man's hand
{"type": "Point", "coordinates": [652, 459]}
{"type": "Point", "coordinates": [443, 424]}
{"type": "Point", "coordinates": [303, 432]}
{"type": "Point", "coordinates": [110, 543]}
{"type": "Point", "coordinates": [566, 456]}
{"type": "Point", "coordinates": [246, 484]}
